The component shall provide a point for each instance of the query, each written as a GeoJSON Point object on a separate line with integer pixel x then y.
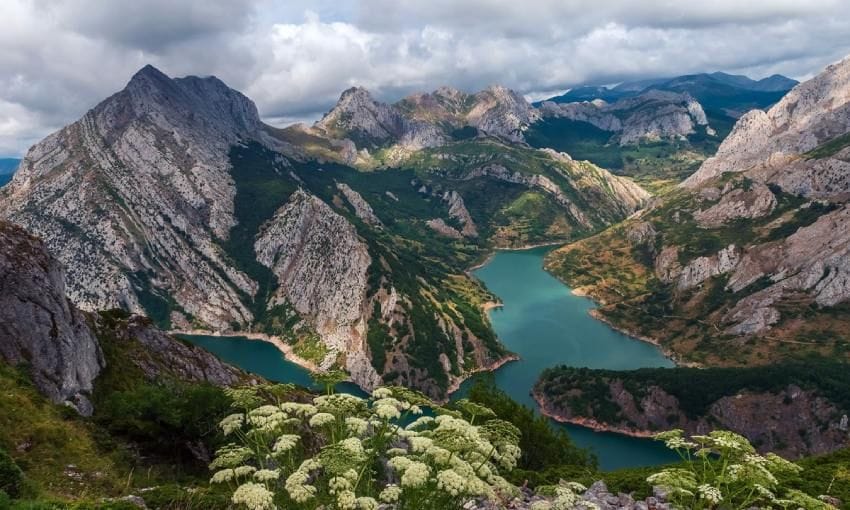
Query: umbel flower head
{"type": "Point", "coordinates": [342, 452]}
{"type": "Point", "coordinates": [722, 469]}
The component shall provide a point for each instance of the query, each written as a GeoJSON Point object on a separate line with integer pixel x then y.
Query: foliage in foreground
{"type": "Point", "coordinates": [342, 452]}
{"type": "Point", "coordinates": [722, 470]}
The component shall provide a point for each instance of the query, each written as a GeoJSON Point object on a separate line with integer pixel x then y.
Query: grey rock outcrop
{"type": "Point", "coordinates": [439, 226]}
{"type": "Point", "coordinates": [596, 496]}
{"type": "Point", "coordinates": [737, 203]}
{"type": "Point", "coordinates": [359, 117]}
{"type": "Point", "coordinates": [321, 265]}
{"type": "Point", "coordinates": [426, 120]}
{"type": "Point", "coordinates": [132, 197]}
{"type": "Point", "coordinates": [653, 115]}
{"type": "Point", "coordinates": [702, 268]}
{"type": "Point", "coordinates": [40, 327]}
{"type": "Point", "coordinates": [458, 211]}
{"type": "Point", "coordinates": [812, 113]}
{"type": "Point", "coordinates": [361, 207]}
{"type": "Point", "coordinates": [770, 149]}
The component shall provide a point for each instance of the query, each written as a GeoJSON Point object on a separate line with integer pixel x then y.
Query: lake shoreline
{"type": "Point", "coordinates": [282, 346]}
{"type": "Point", "coordinates": [588, 423]}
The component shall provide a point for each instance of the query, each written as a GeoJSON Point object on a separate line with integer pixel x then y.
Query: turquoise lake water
{"type": "Point", "coordinates": [541, 321]}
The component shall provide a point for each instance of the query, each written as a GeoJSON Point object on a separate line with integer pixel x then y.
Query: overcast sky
{"type": "Point", "coordinates": [58, 58]}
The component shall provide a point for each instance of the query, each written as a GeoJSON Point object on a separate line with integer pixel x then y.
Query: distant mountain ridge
{"type": "Point", "coordinates": [734, 94]}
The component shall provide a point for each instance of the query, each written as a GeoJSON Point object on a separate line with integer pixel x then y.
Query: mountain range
{"type": "Point", "coordinates": [745, 262]}
{"type": "Point", "coordinates": [729, 93]}
{"type": "Point", "coordinates": [172, 199]}
{"type": "Point", "coordinates": [170, 207]}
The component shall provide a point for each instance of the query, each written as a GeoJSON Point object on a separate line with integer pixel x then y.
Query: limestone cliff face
{"type": "Point", "coordinates": [762, 143]}
{"type": "Point", "coordinates": [361, 207]}
{"type": "Point", "coordinates": [132, 197]}
{"type": "Point", "coordinates": [425, 120]}
{"type": "Point", "coordinates": [653, 115]}
{"type": "Point", "coordinates": [39, 326]}
{"type": "Point", "coordinates": [770, 149]}
{"type": "Point", "coordinates": [321, 266]}
{"type": "Point", "coordinates": [63, 346]}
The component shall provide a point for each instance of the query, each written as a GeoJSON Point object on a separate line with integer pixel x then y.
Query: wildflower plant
{"type": "Point", "coordinates": [722, 470]}
{"type": "Point", "coordinates": [342, 452]}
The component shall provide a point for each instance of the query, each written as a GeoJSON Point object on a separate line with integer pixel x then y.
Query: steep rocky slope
{"type": "Point", "coordinates": [747, 261]}
{"type": "Point", "coordinates": [39, 326]}
{"type": "Point", "coordinates": [651, 116]}
{"type": "Point", "coordinates": [172, 199]}
{"type": "Point", "coordinates": [62, 347]}
{"type": "Point", "coordinates": [132, 197]}
{"type": "Point", "coordinates": [790, 409]}
{"type": "Point", "coordinates": [425, 120]}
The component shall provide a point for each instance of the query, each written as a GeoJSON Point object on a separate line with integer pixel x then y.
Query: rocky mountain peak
{"type": "Point", "coordinates": [651, 115]}
{"type": "Point", "coordinates": [812, 113]}
{"type": "Point", "coordinates": [140, 186]}
{"type": "Point", "coordinates": [359, 117]}
{"type": "Point", "coordinates": [191, 102]}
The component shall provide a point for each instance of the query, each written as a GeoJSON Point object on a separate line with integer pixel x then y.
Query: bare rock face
{"type": "Point", "coordinates": [667, 266]}
{"type": "Point", "coordinates": [132, 196]}
{"type": "Point", "coordinates": [812, 113]}
{"type": "Point", "coordinates": [702, 268]}
{"type": "Point", "coordinates": [501, 112]}
{"type": "Point", "coordinates": [39, 326]}
{"type": "Point", "coordinates": [756, 202]}
{"type": "Point", "coordinates": [815, 259]}
{"type": "Point", "coordinates": [361, 207]}
{"type": "Point", "coordinates": [321, 265]}
{"type": "Point", "coordinates": [458, 211]}
{"type": "Point", "coordinates": [358, 116]}
{"type": "Point", "coordinates": [592, 112]}
{"type": "Point", "coordinates": [654, 115]}
{"type": "Point", "coordinates": [439, 226]}
{"type": "Point", "coordinates": [426, 120]}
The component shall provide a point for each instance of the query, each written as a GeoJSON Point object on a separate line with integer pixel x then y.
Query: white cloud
{"type": "Point", "coordinates": [60, 57]}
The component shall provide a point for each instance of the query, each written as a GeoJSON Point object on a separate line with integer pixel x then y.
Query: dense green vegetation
{"type": "Point", "coordinates": [694, 388]}
{"type": "Point", "coordinates": [548, 454]}
{"type": "Point", "coordinates": [415, 260]}
{"type": "Point", "coordinates": [654, 164]}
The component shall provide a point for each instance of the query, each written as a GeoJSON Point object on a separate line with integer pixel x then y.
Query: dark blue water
{"type": "Point", "coordinates": [540, 320]}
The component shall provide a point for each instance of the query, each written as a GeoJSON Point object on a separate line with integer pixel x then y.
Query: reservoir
{"type": "Point", "coordinates": [542, 321]}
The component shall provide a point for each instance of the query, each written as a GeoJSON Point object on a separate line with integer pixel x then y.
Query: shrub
{"type": "Point", "coordinates": [342, 452]}
{"type": "Point", "coordinates": [723, 470]}
{"type": "Point", "coordinates": [11, 476]}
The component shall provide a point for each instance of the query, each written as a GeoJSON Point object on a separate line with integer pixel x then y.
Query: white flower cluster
{"type": "Point", "coordinates": [724, 468]}
{"type": "Point", "coordinates": [432, 463]}
{"type": "Point", "coordinates": [254, 496]}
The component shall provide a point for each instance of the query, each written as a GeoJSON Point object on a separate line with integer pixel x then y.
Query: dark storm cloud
{"type": "Point", "coordinates": [60, 57]}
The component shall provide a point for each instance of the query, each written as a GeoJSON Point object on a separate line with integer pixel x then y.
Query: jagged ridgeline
{"type": "Point", "coordinates": [350, 240]}
{"type": "Point", "coordinates": [747, 260]}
